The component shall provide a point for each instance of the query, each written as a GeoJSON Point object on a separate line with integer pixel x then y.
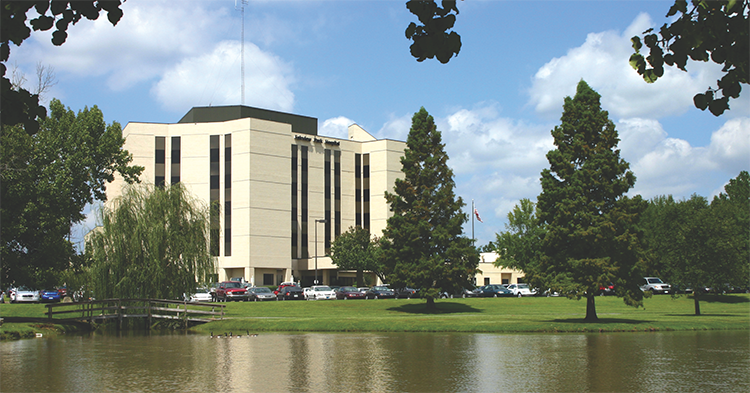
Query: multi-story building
{"type": "Point", "coordinates": [281, 192]}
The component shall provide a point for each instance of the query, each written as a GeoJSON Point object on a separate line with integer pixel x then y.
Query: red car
{"type": "Point", "coordinates": [349, 293]}
{"type": "Point", "coordinates": [282, 286]}
{"type": "Point", "coordinates": [231, 290]}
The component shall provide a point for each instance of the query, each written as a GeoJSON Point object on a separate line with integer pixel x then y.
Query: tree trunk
{"type": "Point", "coordinates": [430, 303]}
{"type": "Point", "coordinates": [696, 302]}
{"type": "Point", "coordinates": [591, 309]}
{"type": "Point", "coordinates": [360, 278]}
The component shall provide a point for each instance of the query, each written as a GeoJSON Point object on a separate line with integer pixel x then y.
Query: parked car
{"type": "Point", "coordinates": [284, 285]}
{"type": "Point", "coordinates": [349, 293]}
{"type": "Point", "coordinates": [521, 290]}
{"type": "Point", "coordinates": [363, 289]}
{"type": "Point", "coordinates": [608, 289]}
{"type": "Point", "coordinates": [290, 292]}
{"type": "Point", "coordinates": [201, 295]}
{"type": "Point", "coordinates": [49, 296]}
{"type": "Point", "coordinates": [380, 292]}
{"type": "Point", "coordinates": [319, 292]}
{"type": "Point", "coordinates": [260, 293]}
{"type": "Point", "coordinates": [406, 292]}
{"type": "Point", "coordinates": [655, 285]}
{"type": "Point", "coordinates": [24, 294]}
{"type": "Point", "coordinates": [493, 290]}
{"type": "Point", "coordinates": [231, 291]}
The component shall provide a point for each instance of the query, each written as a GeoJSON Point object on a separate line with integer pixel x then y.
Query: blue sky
{"type": "Point", "coordinates": [347, 62]}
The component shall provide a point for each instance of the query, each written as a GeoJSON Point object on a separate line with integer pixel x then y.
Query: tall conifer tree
{"type": "Point", "coordinates": [423, 245]}
{"type": "Point", "coordinates": [591, 236]}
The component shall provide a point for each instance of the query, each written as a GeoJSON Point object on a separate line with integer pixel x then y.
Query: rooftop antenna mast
{"type": "Point", "coordinates": [241, 5]}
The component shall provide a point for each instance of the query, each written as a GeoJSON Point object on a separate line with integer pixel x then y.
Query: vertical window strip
{"type": "Point", "coordinates": [337, 192]}
{"type": "Point", "coordinates": [328, 201]}
{"type": "Point", "coordinates": [358, 189]}
{"type": "Point", "coordinates": [295, 220]}
{"type": "Point", "coordinates": [303, 205]}
{"type": "Point", "coordinates": [215, 207]}
{"type": "Point", "coordinates": [228, 195]}
{"type": "Point", "coordinates": [175, 160]}
{"type": "Point", "coordinates": [159, 161]}
{"type": "Point", "coordinates": [366, 191]}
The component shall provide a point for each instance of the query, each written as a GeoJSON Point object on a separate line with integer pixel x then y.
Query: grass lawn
{"type": "Point", "coordinates": [534, 314]}
{"type": "Point", "coordinates": [509, 315]}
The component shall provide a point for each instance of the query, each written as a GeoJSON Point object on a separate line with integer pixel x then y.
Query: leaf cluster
{"type": "Point", "coordinates": [423, 245]}
{"type": "Point", "coordinates": [431, 37]}
{"type": "Point", "coordinates": [19, 106]}
{"type": "Point", "coordinates": [520, 245]}
{"type": "Point", "coordinates": [356, 250]}
{"type": "Point", "coordinates": [705, 30]}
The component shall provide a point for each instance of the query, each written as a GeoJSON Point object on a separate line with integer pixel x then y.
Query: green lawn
{"type": "Point", "coordinates": [536, 314]}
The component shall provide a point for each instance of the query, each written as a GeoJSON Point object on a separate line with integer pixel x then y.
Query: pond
{"type": "Point", "coordinates": [374, 362]}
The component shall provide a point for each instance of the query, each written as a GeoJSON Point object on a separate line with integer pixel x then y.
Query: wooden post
{"type": "Point", "coordinates": [148, 306]}
{"type": "Point", "coordinates": [119, 313]}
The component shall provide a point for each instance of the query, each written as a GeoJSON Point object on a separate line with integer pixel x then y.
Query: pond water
{"type": "Point", "coordinates": [374, 362]}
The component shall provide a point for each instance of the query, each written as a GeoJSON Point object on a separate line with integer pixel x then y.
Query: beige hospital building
{"type": "Point", "coordinates": [283, 190]}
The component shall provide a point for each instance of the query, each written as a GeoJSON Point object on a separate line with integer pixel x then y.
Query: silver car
{"type": "Point", "coordinates": [260, 293]}
{"type": "Point", "coordinates": [24, 294]}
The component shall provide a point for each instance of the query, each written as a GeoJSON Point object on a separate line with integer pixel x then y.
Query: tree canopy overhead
{"type": "Point", "coordinates": [19, 106]}
{"type": "Point", "coordinates": [423, 243]}
{"type": "Point", "coordinates": [716, 30]}
{"type": "Point", "coordinates": [432, 38]}
{"type": "Point", "coordinates": [591, 237]}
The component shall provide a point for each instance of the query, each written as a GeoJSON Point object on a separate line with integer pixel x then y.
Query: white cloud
{"type": "Point", "coordinates": [337, 127]}
{"type": "Point", "coordinates": [214, 79]}
{"type": "Point", "coordinates": [602, 61]}
{"type": "Point", "coordinates": [146, 41]}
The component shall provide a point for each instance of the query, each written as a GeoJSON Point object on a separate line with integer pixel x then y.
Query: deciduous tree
{"type": "Point", "coordinates": [424, 246]}
{"type": "Point", "coordinates": [47, 179]}
{"type": "Point", "coordinates": [520, 245]}
{"type": "Point", "coordinates": [153, 243]}
{"type": "Point", "coordinates": [591, 237]}
{"type": "Point", "coordinates": [356, 250]}
{"type": "Point", "coordinates": [432, 38]}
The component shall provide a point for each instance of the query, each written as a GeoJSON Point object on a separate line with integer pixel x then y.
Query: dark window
{"type": "Point", "coordinates": [358, 189]}
{"type": "Point", "coordinates": [366, 191]}
{"type": "Point", "coordinates": [337, 192]}
{"type": "Point", "coordinates": [228, 195]}
{"type": "Point", "coordinates": [268, 279]}
{"type": "Point", "coordinates": [295, 222]}
{"type": "Point", "coordinates": [159, 167]}
{"type": "Point", "coordinates": [328, 202]}
{"type": "Point", "coordinates": [303, 205]}
{"type": "Point", "coordinates": [215, 211]}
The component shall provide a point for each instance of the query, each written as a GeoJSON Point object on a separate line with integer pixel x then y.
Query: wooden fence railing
{"type": "Point", "coordinates": [148, 309]}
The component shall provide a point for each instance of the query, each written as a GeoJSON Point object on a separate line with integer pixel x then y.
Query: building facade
{"type": "Point", "coordinates": [279, 193]}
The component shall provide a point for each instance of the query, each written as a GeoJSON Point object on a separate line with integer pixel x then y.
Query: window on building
{"type": "Point", "coordinates": [160, 160]}
{"type": "Point", "coordinates": [487, 281]}
{"type": "Point", "coordinates": [174, 170]}
{"type": "Point", "coordinates": [295, 220]}
{"type": "Point", "coordinates": [268, 279]}
{"type": "Point", "coordinates": [228, 195]}
{"type": "Point", "coordinates": [215, 207]}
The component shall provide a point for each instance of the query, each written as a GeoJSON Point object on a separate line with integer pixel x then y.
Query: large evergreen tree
{"type": "Point", "coordinates": [591, 237]}
{"type": "Point", "coordinates": [153, 244]}
{"type": "Point", "coordinates": [423, 245]}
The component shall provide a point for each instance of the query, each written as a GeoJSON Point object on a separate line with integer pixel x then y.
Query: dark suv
{"type": "Point", "coordinates": [231, 290]}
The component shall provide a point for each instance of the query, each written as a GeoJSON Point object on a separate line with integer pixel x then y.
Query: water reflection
{"type": "Point", "coordinates": [414, 362]}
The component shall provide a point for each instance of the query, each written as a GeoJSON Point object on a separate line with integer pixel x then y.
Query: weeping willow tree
{"type": "Point", "coordinates": [153, 244]}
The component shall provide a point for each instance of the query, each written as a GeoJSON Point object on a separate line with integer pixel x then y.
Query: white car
{"type": "Point", "coordinates": [521, 290]}
{"type": "Point", "coordinates": [319, 292]}
{"type": "Point", "coordinates": [655, 285]}
{"type": "Point", "coordinates": [24, 294]}
{"type": "Point", "coordinates": [201, 295]}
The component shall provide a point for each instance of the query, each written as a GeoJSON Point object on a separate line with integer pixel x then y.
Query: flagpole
{"type": "Point", "coordinates": [472, 224]}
